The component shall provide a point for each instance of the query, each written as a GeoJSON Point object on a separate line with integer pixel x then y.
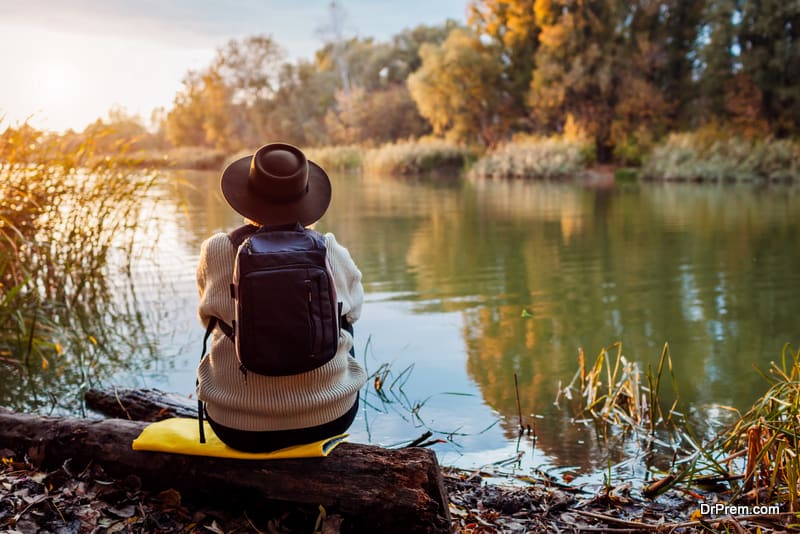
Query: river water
{"type": "Point", "coordinates": [469, 283]}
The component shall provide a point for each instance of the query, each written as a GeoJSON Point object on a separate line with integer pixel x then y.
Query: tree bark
{"type": "Point", "coordinates": [371, 487]}
{"type": "Point", "coordinates": [139, 404]}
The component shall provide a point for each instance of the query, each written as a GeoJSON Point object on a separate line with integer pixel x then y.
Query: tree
{"type": "Point", "coordinates": [577, 67]}
{"type": "Point", "coordinates": [378, 116]}
{"type": "Point", "coordinates": [512, 26]}
{"type": "Point", "coordinates": [201, 112]}
{"type": "Point", "coordinates": [296, 113]}
{"type": "Point", "coordinates": [769, 41]}
{"type": "Point", "coordinates": [223, 105]}
{"type": "Point", "coordinates": [117, 132]}
{"type": "Point", "coordinates": [680, 22]}
{"type": "Point", "coordinates": [715, 56]}
{"type": "Point", "coordinates": [458, 89]}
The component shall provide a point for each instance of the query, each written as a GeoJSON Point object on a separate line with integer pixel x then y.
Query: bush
{"type": "Point", "coordinates": [418, 157]}
{"type": "Point", "coordinates": [535, 158]}
{"type": "Point", "coordinates": [701, 157]}
{"type": "Point", "coordinates": [338, 158]}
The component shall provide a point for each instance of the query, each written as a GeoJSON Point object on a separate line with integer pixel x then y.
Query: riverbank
{"type": "Point", "coordinates": [32, 500]}
{"type": "Point", "coordinates": [686, 157]}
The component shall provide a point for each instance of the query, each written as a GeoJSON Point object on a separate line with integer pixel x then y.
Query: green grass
{"type": "Point", "coordinates": [613, 391]}
{"type": "Point", "coordinates": [624, 175]}
{"type": "Point", "coordinates": [769, 435]}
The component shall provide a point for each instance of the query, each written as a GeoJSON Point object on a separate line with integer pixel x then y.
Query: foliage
{"type": "Point", "coordinates": [769, 40]}
{"type": "Point", "coordinates": [534, 158]}
{"type": "Point", "coordinates": [375, 117]}
{"type": "Point", "coordinates": [417, 157]}
{"type": "Point", "coordinates": [600, 63]}
{"type": "Point", "coordinates": [222, 106]}
{"type": "Point", "coordinates": [513, 29]}
{"type": "Point", "coordinates": [353, 91]}
{"type": "Point", "coordinates": [458, 89]}
{"type": "Point", "coordinates": [623, 74]}
{"type": "Point", "coordinates": [626, 174]}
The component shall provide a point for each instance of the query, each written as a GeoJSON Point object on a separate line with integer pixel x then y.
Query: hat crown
{"type": "Point", "coordinates": [279, 171]}
{"type": "Point", "coordinates": [280, 162]}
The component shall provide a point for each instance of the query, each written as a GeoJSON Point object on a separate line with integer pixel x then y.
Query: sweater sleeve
{"type": "Point", "coordinates": [214, 276]}
{"type": "Point", "coordinates": [347, 279]}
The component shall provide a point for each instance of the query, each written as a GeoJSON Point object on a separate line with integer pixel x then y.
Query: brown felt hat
{"type": "Point", "coordinates": [277, 185]}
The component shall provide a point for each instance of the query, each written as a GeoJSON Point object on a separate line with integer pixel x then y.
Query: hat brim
{"type": "Point", "coordinates": [306, 209]}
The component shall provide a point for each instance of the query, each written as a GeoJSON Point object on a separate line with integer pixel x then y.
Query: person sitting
{"type": "Point", "coordinates": [275, 188]}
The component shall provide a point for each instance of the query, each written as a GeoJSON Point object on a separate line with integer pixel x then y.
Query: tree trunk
{"type": "Point", "coordinates": [372, 488]}
{"type": "Point", "coordinates": [139, 404]}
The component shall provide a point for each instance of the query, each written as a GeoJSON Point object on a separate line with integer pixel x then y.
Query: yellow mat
{"type": "Point", "coordinates": [179, 435]}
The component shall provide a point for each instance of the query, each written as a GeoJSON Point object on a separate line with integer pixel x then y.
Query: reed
{"type": "Point", "coordinates": [755, 459]}
{"type": "Point", "coordinates": [768, 436]}
{"type": "Point", "coordinates": [67, 220]}
{"type": "Point", "coordinates": [536, 158]}
{"type": "Point", "coordinates": [337, 158]}
{"type": "Point", "coordinates": [197, 158]}
{"type": "Point", "coordinates": [612, 391]}
{"type": "Point", "coordinates": [418, 157]}
{"type": "Point", "coordinates": [705, 157]}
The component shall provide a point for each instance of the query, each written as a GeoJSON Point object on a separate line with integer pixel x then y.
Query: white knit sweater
{"type": "Point", "coordinates": [258, 402]}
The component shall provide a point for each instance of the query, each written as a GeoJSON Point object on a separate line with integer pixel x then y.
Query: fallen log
{"type": "Point", "coordinates": [370, 487]}
{"type": "Point", "coordinates": [139, 404]}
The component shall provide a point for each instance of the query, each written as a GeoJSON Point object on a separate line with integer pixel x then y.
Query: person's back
{"type": "Point", "coordinates": [252, 411]}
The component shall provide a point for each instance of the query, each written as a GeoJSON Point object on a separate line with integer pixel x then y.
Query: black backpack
{"type": "Point", "coordinates": [287, 316]}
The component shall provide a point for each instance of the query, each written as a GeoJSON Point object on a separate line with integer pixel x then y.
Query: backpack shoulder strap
{"type": "Point", "coordinates": [240, 235]}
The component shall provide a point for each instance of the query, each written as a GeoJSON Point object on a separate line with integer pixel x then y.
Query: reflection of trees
{"type": "Point", "coordinates": [594, 267]}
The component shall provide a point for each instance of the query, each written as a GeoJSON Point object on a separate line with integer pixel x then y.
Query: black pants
{"type": "Point", "coordinates": [272, 440]}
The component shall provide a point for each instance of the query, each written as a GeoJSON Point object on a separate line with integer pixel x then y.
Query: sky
{"type": "Point", "coordinates": [64, 64]}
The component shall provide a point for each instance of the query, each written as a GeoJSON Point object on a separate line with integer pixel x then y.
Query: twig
{"type": "Point", "coordinates": [34, 502]}
{"type": "Point", "coordinates": [420, 439]}
{"type": "Point", "coordinates": [623, 522]}
{"type": "Point", "coordinates": [119, 402]}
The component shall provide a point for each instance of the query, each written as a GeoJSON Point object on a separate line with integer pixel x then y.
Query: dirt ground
{"type": "Point", "coordinates": [64, 501]}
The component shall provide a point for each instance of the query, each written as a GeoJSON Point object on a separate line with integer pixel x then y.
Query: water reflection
{"type": "Point", "coordinates": [538, 270]}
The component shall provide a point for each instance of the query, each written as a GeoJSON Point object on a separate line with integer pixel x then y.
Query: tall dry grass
{"type": "Point", "coordinates": [67, 226]}
{"type": "Point", "coordinates": [337, 158]}
{"type": "Point", "coordinates": [418, 157]}
{"type": "Point", "coordinates": [538, 158]}
{"type": "Point", "coordinates": [713, 157]}
{"type": "Point", "coordinates": [756, 459]}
